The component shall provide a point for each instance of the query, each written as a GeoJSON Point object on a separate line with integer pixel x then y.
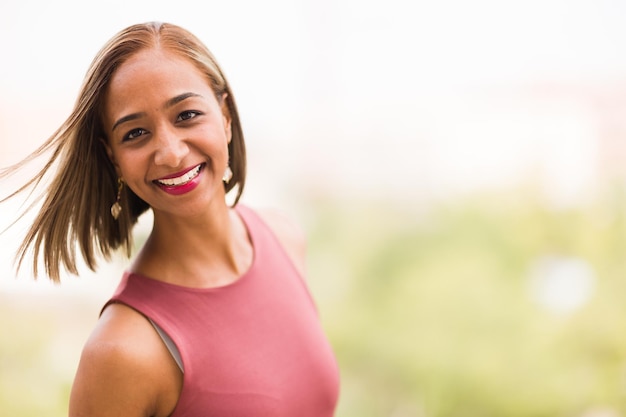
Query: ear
{"type": "Point", "coordinates": [226, 117]}
{"type": "Point", "coordinates": [109, 151]}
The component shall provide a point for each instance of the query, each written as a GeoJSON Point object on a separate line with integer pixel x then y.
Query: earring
{"type": "Point", "coordinates": [228, 174]}
{"type": "Point", "coordinates": [116, 208]}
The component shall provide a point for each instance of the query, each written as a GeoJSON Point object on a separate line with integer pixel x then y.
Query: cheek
{"type": "Point", "coordinates": [214, 138]}
{"type": "Point", "coordinates": [128, 164]}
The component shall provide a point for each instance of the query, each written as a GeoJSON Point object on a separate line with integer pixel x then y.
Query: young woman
{"type": "Point", "coordinates": [213, 317]}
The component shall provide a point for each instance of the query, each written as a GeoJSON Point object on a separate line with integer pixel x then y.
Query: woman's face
{"type": "Point", "coordinates": [167, 133]}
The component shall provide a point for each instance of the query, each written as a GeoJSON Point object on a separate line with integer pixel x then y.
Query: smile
{"type": "Point", "coordinates": [182, 179]}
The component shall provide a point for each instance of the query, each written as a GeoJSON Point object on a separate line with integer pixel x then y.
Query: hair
{"type": "Point", "coordinates": [76, 204]}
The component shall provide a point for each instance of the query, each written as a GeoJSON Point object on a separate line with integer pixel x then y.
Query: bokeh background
{"type": "Point", "coordinates": [458, 166]}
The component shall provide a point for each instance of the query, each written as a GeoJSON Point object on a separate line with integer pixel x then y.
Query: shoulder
{"type": "Point", "coordinates": [289, 233]}
{"type": "Point", "coordinates": [116, 364]}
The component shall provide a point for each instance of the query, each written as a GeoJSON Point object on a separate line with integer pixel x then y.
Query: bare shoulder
{"type": "Point", "coordinates": [125, 369]}
{"type": "Point", "coordinates": [290, 234]}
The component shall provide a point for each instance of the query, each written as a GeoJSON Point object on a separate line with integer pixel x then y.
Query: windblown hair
{"type": "Point", "coordinates": [76, 205]}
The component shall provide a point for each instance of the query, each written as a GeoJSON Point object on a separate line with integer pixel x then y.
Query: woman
{"type": "Point", "coordinates": [213, 317]}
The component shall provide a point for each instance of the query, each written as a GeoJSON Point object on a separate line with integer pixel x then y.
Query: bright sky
{"type": "Point", "coordinates": [332, 77]}
{"type": "Point", "coordinates": [354, 94]}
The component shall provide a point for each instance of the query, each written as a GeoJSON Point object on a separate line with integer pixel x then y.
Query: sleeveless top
{"type": "Point", "coordinates": [252, 348]}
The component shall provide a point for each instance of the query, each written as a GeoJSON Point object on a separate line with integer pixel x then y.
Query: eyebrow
{"type": "Point", "coordinates": [169, 103]}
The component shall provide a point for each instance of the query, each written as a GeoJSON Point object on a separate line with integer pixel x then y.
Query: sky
{"type": "Point", "coordinates": [409, 100]}
{"type": "Point", "coordinates": [347, 81]}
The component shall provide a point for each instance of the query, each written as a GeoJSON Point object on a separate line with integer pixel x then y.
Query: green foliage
{"type": "Point", "coordinates": [431, 311]}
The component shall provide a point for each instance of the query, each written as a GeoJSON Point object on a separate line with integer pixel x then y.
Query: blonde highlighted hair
{"type": "Point", "coordinates": [76, 205]}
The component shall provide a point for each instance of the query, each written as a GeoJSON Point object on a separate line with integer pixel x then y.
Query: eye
{"type": "Point", "coordinates": [133, 134]}
{"type": "Point", "coordinates": [186, 115]}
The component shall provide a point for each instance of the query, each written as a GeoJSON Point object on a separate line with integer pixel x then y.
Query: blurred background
{"type": "Point", "coordinates": [459, 168]}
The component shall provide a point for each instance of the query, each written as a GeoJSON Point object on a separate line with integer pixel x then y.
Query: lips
{"type": "Point", "coordinates": [182, 182]}
{"type": "Point", "coordinates": [180, 179]}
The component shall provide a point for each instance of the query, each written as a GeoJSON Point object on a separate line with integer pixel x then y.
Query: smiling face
{"type": "Point", "coordinates": [167, 133]}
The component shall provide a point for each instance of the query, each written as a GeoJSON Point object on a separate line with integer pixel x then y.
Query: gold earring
{"type": "Point", "coordinates": [228, 174]}
{"type": "Point", "coordinates": [116, 208]}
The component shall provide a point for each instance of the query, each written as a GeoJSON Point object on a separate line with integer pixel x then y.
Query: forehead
{"type": "Point", "coordinates": [157, 68]}
{"type": "Point", "coordinates": [150, 77]}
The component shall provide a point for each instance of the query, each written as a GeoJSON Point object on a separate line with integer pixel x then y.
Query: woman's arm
{"type": "Point", "coordinates": [125, 370]}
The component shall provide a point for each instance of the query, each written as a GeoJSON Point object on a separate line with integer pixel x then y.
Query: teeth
{"type": "Point", "coordinates": [183, 179]}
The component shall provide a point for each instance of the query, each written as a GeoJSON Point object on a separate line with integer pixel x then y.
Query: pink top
{"type": "Point", "coordinates": [249, 349]}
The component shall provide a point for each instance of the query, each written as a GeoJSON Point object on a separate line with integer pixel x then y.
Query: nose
{"type": "Point", "coordinates": [170, 148]}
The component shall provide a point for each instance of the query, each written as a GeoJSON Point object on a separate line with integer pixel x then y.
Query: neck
{"type": "Point", "coordinates": [198, 252]}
